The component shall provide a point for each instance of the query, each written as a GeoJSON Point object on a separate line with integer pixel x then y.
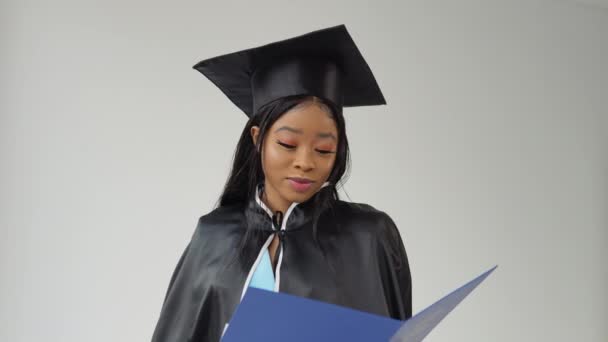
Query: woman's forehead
{"type": "Point", "coordinates": [310, 119]}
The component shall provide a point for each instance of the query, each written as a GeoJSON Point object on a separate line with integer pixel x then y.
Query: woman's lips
{"type": "Point", "coordinates": [300, 185]}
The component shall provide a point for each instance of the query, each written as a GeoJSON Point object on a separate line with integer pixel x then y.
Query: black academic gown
{"type": "Point", "coordinates": [364, 266]}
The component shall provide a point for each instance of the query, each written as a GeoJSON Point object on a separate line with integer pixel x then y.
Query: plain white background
{"type": "Point", "coordinates": [493, 149]}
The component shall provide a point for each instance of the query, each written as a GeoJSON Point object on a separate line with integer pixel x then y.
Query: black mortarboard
{"type": "Point", "coordinates": [324, 63]}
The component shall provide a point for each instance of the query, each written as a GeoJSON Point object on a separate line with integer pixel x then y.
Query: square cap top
{"type": "Point", "coordinates": [324, 63]}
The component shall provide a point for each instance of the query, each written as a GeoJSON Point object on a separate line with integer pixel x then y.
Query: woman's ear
{"type": "Point", "coordinates": [255, 130]}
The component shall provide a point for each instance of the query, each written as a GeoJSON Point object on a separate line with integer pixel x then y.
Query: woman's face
{"type": "Point", "coordinates": [302, 143]}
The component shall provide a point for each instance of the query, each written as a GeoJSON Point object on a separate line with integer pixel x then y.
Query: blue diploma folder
{"type": "Point", "coordinates": [270, 316]}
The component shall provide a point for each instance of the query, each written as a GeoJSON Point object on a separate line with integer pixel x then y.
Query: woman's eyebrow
{"type": "Point", "coordinates": [327, 135]}
{"type": "Point", "coordinates": [299, 131]}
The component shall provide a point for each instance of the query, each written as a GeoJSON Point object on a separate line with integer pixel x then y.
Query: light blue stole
{"type": "Point", "coordinates": [263, 278]}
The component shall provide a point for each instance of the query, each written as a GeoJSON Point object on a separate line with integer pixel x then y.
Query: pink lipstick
{"type": "Point", "coordinates": [300, 184]}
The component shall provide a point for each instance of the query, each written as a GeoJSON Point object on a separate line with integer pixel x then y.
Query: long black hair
{"type": "Point", "coordinates": [247, 173]}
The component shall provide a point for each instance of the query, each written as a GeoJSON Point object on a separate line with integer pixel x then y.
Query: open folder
{"type": "Point", "coordinates": [270, 316]}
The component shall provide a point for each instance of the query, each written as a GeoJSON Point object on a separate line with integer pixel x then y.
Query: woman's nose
{"type": "Point", "coordinates": [304, 159]}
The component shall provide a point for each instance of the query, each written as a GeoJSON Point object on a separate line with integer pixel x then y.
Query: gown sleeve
{"type": "Point", "coordinates": [397, 280]}
{"type": "Point", "coordinates": [178, 310]}
{"type": "Point", "coordinates": [176, 271]}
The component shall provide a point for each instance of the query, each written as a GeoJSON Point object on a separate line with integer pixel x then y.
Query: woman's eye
{"type": "Point", "coordinates": [291, 147]}
{"type": "Point", "coordinates": [285, 145]}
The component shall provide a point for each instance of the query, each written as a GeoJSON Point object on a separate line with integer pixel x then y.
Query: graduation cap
{"type": "Point", "coordinates": [324, 63]}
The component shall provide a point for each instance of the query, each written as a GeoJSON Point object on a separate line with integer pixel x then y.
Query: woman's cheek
{"type": "Point", "coordinates": [329, 163]}
{"type": "Point", "coordinates": [275, 155]}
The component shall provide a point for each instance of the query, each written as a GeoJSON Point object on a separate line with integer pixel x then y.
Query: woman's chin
{"type": "Point", "coordinates": [297, 196]}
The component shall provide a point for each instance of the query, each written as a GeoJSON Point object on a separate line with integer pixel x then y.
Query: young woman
{"type": "Point", "coordinates": [280, 224]}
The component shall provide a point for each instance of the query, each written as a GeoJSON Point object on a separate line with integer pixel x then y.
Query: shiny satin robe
{"type": "Point", "coordinates": [365, 266]}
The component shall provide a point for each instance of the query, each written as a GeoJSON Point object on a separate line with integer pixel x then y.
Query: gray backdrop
{"type": "Point", "coordinates": [493, 149]}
